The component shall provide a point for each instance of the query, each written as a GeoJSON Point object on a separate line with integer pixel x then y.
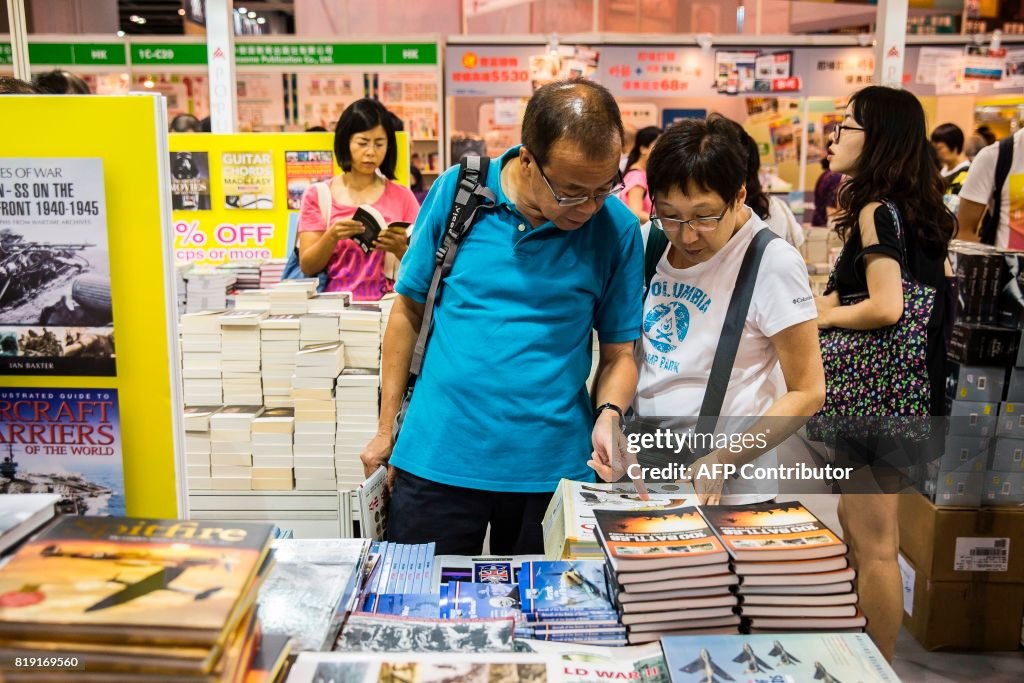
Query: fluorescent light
{"type": "Point", "coordinates": [251, 15]}
{"type": "Point", "coordinates": [261, 20]}
{"type": "Point", "coordinates": [148, 83]}
{"type": "Point", "coordinates": [120, 34]}
{"type": "Point", "coordinates": [241, 10]}
{"type": "Point", "coordinates": [142, 20]}
{"type": "Point", "coordinates": [181, 12]}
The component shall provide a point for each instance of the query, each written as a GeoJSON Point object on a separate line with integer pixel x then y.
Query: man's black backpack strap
{"type": "Point", "coordinates": [990, 226]}
{"type": "Point", "coordinates": [657, 241]}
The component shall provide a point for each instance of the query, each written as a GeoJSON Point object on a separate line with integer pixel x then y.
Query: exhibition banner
{"type": "Point", "coordinates": [56, 313]}
{"type": "Point", "coordinates": [63, 441]}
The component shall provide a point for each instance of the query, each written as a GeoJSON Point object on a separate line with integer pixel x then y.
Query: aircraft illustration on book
{"type": "Point", "coordinates": [780, 652]}
{"type": "Point", "coordinates": [821, 674]}
{"type": "Point", "coordinates": [707, 668]}
{"type": "Point", "coordinates": [754, 663]}
{"type": "Point", "coordinates": [158, 580]}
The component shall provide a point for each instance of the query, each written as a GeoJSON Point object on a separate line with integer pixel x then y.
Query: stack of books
{"type": "Point", "coordinates": [247, 275]}
{"type": "Point", "coordinates": [200, 359]}
{"type": "Point", "coordinates": [793, 570]}
{"type": "Point", "coordinates": [291, 297]}
{"type": "Point", "coordinates": [400, 582]}
{"type": "Point", "coordinates": [240, 357]}
{"type": "Point", "coordinates": [279, 342]}
{"type": "Point", "coordinates": [252, 299]}
{"type": "Point", "coordinates": [669, 573]}
{"type": "Point", "coordinates": [21, 514]}
{"type": "Point", "coordinates": [271, 271]}
{"type": "Point", "coordinates": [359, 328]}
{"type": "Point", "coordinates": [568, 523]}
{"type": "Point", "coordinates": [356, 396]}
{"type": "Point", "coordinates": [330, 302]}
{"type": "Point", "coordinates": [272, 458]}
{"type": "Point", "coordinates": [198, 446]}
{"type": "Point", "coordinates": [207, 289]}
{"type": "Point", "coordinates": [318, 328]}
{"type": "Point", "coordinates": [568, 601]}
{"type": "Point", "coordinates": [181, 272]}
{"type": "Point", "coordinates": [316, 371]}
{"type": "Point", "coordinates": [145, 599]}
{"type": "Point", "coordinates": [385, 304]}
{"type": "Point", "coordinates": [231, 447]}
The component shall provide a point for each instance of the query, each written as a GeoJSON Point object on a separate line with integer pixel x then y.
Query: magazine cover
{"type": "Point", "coordinates": [772, 531]}
{"type": "Point", "coordinates": [248, 180]}
{"type": "Point", "coordinates": [566, 588]}
{"type": "Point", "coordinates": [652, 538]}
{"type": "Point", "coordinates": [94, 577]}
{"type": "Point", "coordinates": [466, 600]}
{"type": "Point", "coordinates": [420, 605]}
{"type": "Point", "coordinates": [826, 657]}
{"type": "Point", "coordinates": [190, 181]}
{"type": "Point", "coordinates": [302, 169]}
{"type": "Point", "coordinates": [56, 315]}
{"type": "Point", "coordinates": [380, 633]}
{"type": "Point", "coordinates": [66, 442]}
{"type": "Point", "coordinates": [403, 667]}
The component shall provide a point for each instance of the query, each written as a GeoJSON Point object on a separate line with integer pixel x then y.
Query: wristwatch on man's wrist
{"type": "Point", "coordinates": [608, 406]}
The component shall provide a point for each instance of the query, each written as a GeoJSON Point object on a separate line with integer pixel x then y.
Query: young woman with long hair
{"type": "Point", "coordinates": [895, 229]}
{"type": "Point", "coordinates": [635, 193]}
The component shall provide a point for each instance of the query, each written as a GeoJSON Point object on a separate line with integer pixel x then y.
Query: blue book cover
{"type": "Point", "coordinates": [386, 567]}
{"type": "Point", "coordinates": [566, 588]}
{"type": "Point", "coordinates": [428, 568]}
{"type": "Point", "coordinates": [403, 605]}
{"type": "Point", "coordinates": [482, 600]}
{"type": "Point", "coordinates": [823, 657]}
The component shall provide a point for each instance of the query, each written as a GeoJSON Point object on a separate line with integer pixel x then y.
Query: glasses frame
{"type": "Point", "coordinates": [618, 185]}
{"type": "Point", "coordinates": [837, 132]}
{"type": "Point", "coordinates": [659, 222]}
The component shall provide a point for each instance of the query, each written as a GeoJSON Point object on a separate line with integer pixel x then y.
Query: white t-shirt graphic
{"type": "Point", "coordinates": [683, 316]}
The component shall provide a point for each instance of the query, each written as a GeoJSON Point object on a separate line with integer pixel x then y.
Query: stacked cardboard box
{"type": "Point", "coordinates": [963, 575]}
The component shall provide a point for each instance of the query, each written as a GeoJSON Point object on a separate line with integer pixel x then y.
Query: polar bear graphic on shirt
{"type": "Point", "coordinates": [666, 325]}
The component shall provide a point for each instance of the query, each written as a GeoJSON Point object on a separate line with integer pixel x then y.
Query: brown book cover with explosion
{"type": "Point", "coordinates": [774, 532]}
{"type": "Point", "coordinates": [646, 540]}
{"type": "Point", "coordinates": [97, 579]}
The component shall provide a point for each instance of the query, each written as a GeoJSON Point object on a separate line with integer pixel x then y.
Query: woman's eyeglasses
{"type": "Point", "coordinates": [837, 132]}
{"type": "Point", "coordinates": [699, 224]}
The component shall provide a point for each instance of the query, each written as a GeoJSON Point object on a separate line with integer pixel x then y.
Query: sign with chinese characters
{"type": "Point", "coordinates": [490, 71]}
{"type": "Point", "coordinates": [656, 71]}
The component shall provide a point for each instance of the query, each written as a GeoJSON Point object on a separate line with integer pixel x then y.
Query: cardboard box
{"type": "Point", "coordinates": [965, 615]}
{"type": "Point", "coordinates": [962, 451]}
{"type": "Point", "coordinates": [972, 418]}
{"type": "Point", "coordinates": [974, 344]}
{"type": "Point", "coordinates": [1007, 455]}
{"type": "Point", "coordinates": [1015, 387]}
{"type": "Point", "coordinates": [1011, 420]}
{"type": "Point", "coordinates": [972, 383]}
{"type": "Point", "coordinates": [962, 488]}
{"type": "Point", "coordinates": [1003, 488]}
{"type": "Point", "coordinates": [1010, 299]}
{"type": "Point", "coordinates": [938, 540]}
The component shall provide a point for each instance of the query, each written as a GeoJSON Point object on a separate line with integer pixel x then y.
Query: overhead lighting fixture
{"type": "Point", "coordinates": [142, 20]}
{"type": "Point", "coordinates": [148, 83]}
{"type": "Point", "coordinates": [134, 18]}
{"type": "Point", "coordinates": [261, 20]}
{"type": "Point", "coordinates": [241, 10]}
{"type": "Point", "coordinates": [181, 12]}
{"type": "Point", "coordinates": [120, 34]}
{"type": "Point", "coordinates": [251, 15]}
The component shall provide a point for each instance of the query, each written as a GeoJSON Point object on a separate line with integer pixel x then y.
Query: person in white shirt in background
{"type": "Point", "coordinates": [772, 210]}
{"type": "Point", "coordinates": [948, 141]}
{"type": "Point", "coordinates": [696, 176]}
{"type": "Point", "coordinates": [977, 192]}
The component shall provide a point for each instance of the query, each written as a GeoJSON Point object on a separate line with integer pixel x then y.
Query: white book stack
{"type": "Point", "coordinates": [279, 342]}
{"type": "Point", "coordinates": [231, 447]}
{"type": "Point", "coordinates": [330, 302]}
{"type": "Point", "coordinates": [318, 328]}
{"type": "Point", "coordinates": [181, 285]}
{"type": "Point", "coordinates": [316, 371]}
{"type": "Point", "coordinates": [247, 274]}
{"type": "Point", "coordinates": [291, 297]}
{"type": "Point", "coordinates": [359, 327]}
{"type": "Point", "coordinates": [356, 400]}
{"type": "Point", "coordinates": [207, 289]}
{"type": "Point", "coordinates": [385, 304]}
{"type": "Point", "coordinates": [240, 357]}
{"type": "Point", "coordinates": [271, 272]}
{"type": "Point", "coordinates": [197, 446]}
{"type": "Point", "coordinates": [272, 457]}
{"type": "Point", "coordinates": [252, 299]}
{"type": "Point", "coordinates": [201, 358]}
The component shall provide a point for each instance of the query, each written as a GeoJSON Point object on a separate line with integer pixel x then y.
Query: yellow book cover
{"type": "Point", "coordinates": [642, 540]}
{"type": "Point", "coordinates": [772, 532]}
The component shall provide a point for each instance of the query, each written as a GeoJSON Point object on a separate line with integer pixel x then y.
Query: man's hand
{"type": "Point", "coordinates": [708, 488]}
{"type": "Point", "coordinates": [611, 457]}
{"type": "Point", "coordinates": [376, 454]}
{"type": "Point", "coordinates": [343, 230]}
{"type": "Point", "coordinates": [393, 241]}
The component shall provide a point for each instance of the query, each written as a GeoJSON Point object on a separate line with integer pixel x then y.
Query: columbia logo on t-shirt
{"type": "Point", "coordinates": [802, 300]}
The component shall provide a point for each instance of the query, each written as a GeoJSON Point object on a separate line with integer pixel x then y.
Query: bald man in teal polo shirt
{"type": "Point", "coordinates": [501, 410]}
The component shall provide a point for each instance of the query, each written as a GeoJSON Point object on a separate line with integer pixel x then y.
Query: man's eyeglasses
{"type": "Point", "coordinates": [837, 132]}
{"type": "Point", "coordinates": [699, 224]}
{"type": "Point", "coordinates": [598, 197]}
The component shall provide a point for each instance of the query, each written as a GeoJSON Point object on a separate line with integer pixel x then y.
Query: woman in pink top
{"type": "Point", "coordinates": [364, 144]}
{"type": "Point", "coordinates": [635, 193]}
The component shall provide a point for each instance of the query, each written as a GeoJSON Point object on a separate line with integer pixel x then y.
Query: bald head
{"type": "Point", "coordinates": [576, 111]}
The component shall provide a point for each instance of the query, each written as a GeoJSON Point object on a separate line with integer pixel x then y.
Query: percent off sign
{"type": "Point", "coordinates": [190, 233]}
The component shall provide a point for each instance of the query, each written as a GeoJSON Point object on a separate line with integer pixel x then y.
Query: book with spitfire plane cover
{"type": "Point", "coordinates": [134, 581]}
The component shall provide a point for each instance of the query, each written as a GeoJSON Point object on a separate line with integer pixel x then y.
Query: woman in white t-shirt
{"type": "Point", "coordinates": [696, 176]}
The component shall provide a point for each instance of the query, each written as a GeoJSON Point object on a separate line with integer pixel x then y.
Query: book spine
{"type": "Point", "coordinates": [556, 614]}
{"type": "Point", "coordinates": [428, 572]}
{"type": "Point", "coordinates": [385, 569]}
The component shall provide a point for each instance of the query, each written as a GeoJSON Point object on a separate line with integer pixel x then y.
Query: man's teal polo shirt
{"type": "Point", "coordinates": [502, 403]}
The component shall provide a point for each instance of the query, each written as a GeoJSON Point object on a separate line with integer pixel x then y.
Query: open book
{"type": "Point", "coordinates": [374, 223]}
